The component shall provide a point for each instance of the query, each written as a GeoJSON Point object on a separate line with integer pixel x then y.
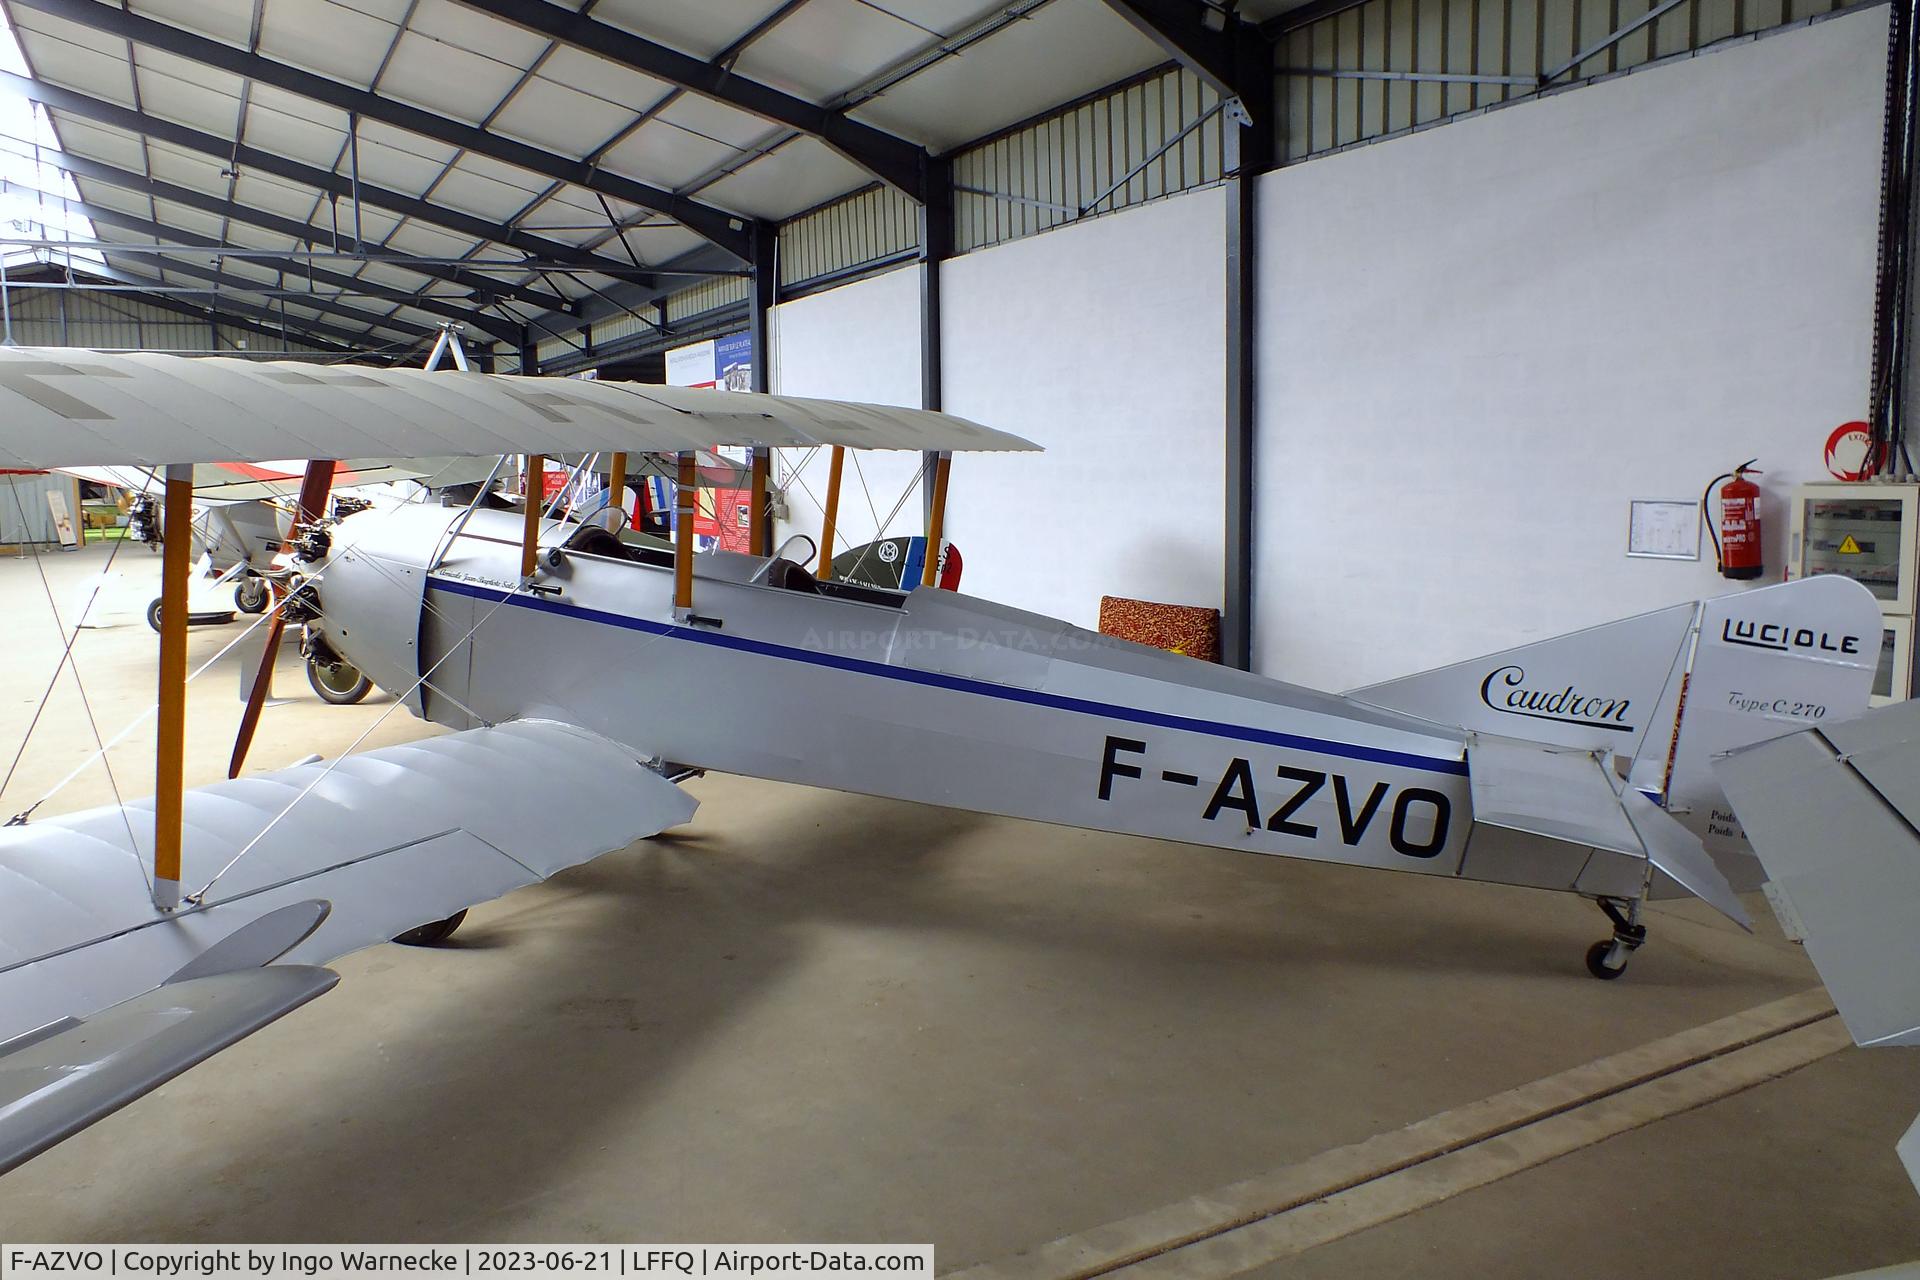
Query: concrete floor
{"type": "Point", "coordinates": [818, 1017]}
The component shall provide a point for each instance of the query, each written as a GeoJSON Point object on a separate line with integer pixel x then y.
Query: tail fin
{"type": "Point", "coordinates": [1767, 663]}
{"type": "Point", "coordinates": [1672, 689]}
{"type": "Point", "coordinates": [1599, 689]}
{"type": "Point", "coordinates": [1832, 813]}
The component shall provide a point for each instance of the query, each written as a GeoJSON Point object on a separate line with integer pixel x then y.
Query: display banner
{"type": "Point", "coordinates": [722, 517]}
{"type": "Point", "coordinates": [533, 1262]}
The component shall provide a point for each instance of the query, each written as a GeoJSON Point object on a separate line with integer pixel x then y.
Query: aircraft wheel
{"type": "Point", "coordinates": [193, 619]}
{"type": "Point", "coordinates": [431, 935]}
{"type": "Point", "coordinates": [340, 683]}
{"type": "Point", "coordinates": [251, 595]}
{"type": "Point", "coordinates": [1597, 965]}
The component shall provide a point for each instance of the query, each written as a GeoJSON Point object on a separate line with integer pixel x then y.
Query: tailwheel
{"type": "Point", "coordinates": [431, 935]}
{"type": "Point", "coordinates": [340, 683]}
{"type": "Point", "coordinates": [1602, 963]}
{"type": "Point", "coordinates": [1607, 959]}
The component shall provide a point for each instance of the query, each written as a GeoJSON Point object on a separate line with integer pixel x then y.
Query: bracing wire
{"type": "Point", "coordinates": [198, 898]}
{"type": "Point", "coordinates": [66, 653]}
{"type": "Point", "coordinates": [66, 660]}
{"type": "Point", "coordinates": [267, 615]}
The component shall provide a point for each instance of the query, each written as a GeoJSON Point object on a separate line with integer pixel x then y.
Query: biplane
{"type": "Point", "coordinates": [138, 940]}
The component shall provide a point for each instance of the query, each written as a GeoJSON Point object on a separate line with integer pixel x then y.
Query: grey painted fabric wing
{"type": "Point", "coordinates": [67, 408]}
{"type": "Point", "coordinates": [393, 838]}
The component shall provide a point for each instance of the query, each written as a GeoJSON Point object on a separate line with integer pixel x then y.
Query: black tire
{"type": "Point", "coordinates": [193, 619]}
{"type": "Point", "coordinates": [340, 683]}
{"type": "Point", "coordinates": [252, 595]}
{"type": "Point", "coordinates": [1597, 961]}
{"type": "Point", "coordinates": [431, 935]}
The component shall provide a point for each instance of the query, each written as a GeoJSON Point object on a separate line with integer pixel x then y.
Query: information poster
{"type": "Point", "coordinates": [722, 517]}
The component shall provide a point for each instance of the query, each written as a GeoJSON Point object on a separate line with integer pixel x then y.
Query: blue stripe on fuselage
{"type": "Point", "coordinates": [960, 684]}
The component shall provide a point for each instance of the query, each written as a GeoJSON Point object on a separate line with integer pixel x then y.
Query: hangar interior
{"type": "Point", "coordinates": [1358, 321]}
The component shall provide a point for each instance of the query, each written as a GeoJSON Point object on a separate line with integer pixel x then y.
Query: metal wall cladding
{"type": "Point", "coordinates": [1155, 137]}
{"type": "Point", "coordinates": [878, 224]}
{"type": "Point", "coordinates": [1386, 66]}
{"type": "Point", "coordinates": [710, 294]}
{"type": "Point", "coordinates": [119, 321]}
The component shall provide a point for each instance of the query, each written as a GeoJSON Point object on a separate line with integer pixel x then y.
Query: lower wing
{"type": "Point", "coordinates": [361, 850]}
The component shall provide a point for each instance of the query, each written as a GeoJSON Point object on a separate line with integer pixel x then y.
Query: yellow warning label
{"type": "Point", "coordinates": [1848, 547]}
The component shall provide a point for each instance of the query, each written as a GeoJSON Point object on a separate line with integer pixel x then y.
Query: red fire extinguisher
{"type": "Point", "coordinates": [1736, 534]}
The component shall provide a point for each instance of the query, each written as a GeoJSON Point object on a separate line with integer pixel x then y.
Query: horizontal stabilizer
{"type": "Point", "coordinates": [1566, 794]}
{"type": "Point", "coordinates": [56, 1084]}
{"type": "Point", "coordinates": [1560, 793]}
{"type": "Point", "coordinates": [1827, 812]}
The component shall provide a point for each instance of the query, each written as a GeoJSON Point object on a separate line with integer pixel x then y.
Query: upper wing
{"type": "Point", "coordinates": [62, 408]}
{"type": "Point", "coordinates": [394, 838]}
{"type": "Point", "coordinates": [245, 482]}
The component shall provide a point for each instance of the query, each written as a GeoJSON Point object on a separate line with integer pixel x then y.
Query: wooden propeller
{"type": "Point", "coordinates": [314, 487]}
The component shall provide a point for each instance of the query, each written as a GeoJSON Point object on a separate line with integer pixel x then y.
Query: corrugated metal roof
{"type": "Point", "coordinates": [932, 73]}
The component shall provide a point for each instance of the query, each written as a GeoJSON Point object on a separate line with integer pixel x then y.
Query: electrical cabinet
{"type": "Point", "coordinates": [1870, 533]}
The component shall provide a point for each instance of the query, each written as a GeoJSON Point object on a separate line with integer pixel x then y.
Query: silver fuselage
{"type": "Point", "coordinates": [930, 696]}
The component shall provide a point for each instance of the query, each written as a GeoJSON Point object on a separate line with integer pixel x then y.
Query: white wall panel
{"type": "Point", "coordinates": [860, 341]}
{"type": "Point", "coordinates": [1104, 343]}
{"type": "Point", "coordinates": [1479, 342]}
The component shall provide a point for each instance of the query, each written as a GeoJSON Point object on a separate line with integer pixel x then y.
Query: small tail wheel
{"type": "Point", "coordinates": [1600, 961]}
{"type": "Point", "coordinates": [153, 613]}
{"type": "Point", "coordinates": [1607, 959]}
{"type": "Point", "coordinates": [252, 595]}
{"type": "Point", "coordinates": [340, 683]}
{"type": "Point", "coordinates": [431, 935]}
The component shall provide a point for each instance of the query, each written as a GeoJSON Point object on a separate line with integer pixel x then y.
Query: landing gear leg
{"type": "Point", "coordinates": [1607, 960]}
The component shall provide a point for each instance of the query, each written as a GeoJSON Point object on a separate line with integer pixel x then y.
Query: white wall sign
{"type": "Point", "coordinates": [1663, 529]}
{"type": "Point", "coordinates": [62, 519]}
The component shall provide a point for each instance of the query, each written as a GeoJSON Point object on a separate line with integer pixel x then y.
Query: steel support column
{"type": "Point", "coordinates": [936, 246]}
{"type": "Point", "coordinates": [1249, 152]}
{"type": "Point", "coordinates": [762, 283]}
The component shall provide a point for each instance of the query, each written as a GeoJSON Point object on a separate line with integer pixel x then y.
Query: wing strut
{"type": "Point", "coordinates": [169, 775]}
{"type": "Point", "coordinates": [760, 515]}
{"type": "Point", "coordinates": [616, 487]}
{"type": "Point", "coordinates": [533, 496]}
{"type": "Point", "coordinates": [685, 495]}
{"type": "Point", "coordinates": [314, 486]}
{"type": "Point", "coordinates": [936, 520]}
{"type": "Point", "coordinates": [830, 516]}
